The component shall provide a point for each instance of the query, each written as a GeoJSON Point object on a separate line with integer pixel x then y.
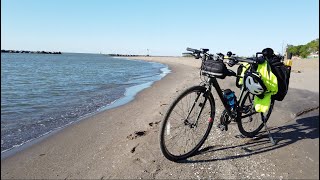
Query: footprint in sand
{"type": "Point", "coordinates": [136, 134]}
{"type": "Point", "coordinates": [134, 148]}
{"type": "Point", "coordinates": [154, 123]}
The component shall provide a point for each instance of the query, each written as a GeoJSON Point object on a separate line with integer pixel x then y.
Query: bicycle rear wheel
{"type": "Point", "coordinates": [249, 122]}
{"type": "Point", "coordinates": [187, 123]}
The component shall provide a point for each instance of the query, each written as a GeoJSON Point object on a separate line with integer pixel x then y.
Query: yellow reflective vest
{"type": "Point", "coordinates": [269, 80]}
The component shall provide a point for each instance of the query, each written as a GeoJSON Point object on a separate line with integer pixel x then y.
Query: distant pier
{"type": "Point", "coordinates": [125, 55]}
{"type": "Point", "coordinates": [31, 52]}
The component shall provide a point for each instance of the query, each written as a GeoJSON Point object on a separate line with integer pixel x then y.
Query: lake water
{"type": "Point", "coordinates": [44, 92]}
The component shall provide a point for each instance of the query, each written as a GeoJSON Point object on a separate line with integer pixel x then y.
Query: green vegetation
{"type": "Point", "coordinates": [304, 50]}
{"type": "Point", "coordinates": [187, 55]}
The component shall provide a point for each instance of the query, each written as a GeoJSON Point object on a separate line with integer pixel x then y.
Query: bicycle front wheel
{"type": "Point", "coordinates": [250, 122]}
{"type": "Point", "coordinates": [187, 123]}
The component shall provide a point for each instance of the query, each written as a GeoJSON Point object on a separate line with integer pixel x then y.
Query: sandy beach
{"type": "Point", "coordinates": [122, 143]}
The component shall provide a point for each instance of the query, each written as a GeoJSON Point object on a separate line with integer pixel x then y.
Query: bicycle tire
{"type": "Point", "coordinates": [258, 123]}
{"type": "Point", "coordinates": [202, 93]}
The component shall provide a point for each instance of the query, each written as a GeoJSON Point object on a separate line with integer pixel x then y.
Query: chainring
{"type": "Point", "coordinates": [225, 118]}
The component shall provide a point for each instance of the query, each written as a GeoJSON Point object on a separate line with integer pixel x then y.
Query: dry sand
{"type": "Point", "coordinates": [122, 143]}
{"type": "Point", "coordinates": [305, 74]}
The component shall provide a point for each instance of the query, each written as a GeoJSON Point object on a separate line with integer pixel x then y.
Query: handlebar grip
{"type": "Point", "coordinates": [193, 50]}
{"type": "Point", "coordinates": [190, 49]}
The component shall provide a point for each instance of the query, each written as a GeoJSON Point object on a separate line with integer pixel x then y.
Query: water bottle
{"type": "Point", "coordinates": [230, 98]}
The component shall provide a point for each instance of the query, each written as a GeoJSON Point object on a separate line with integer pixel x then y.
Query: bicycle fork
{"type": "Point", "coordinates": [202, 105]}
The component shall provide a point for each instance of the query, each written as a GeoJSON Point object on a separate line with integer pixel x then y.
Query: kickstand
{"type": "Point", "coordinates": [268, 131]}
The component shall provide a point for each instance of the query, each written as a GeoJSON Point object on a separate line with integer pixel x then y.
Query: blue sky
{"type": "Point", "coordinates": [165, 27]}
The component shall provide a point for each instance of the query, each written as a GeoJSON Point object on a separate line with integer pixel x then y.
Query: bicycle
{"type": "Point", "coordinates": [189, 119]}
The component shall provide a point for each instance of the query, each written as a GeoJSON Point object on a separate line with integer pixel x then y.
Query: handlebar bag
{"type": "Point", "coordinates": [214, 68]}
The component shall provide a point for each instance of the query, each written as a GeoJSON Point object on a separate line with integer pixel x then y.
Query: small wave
{"type": "Point", "coordinates": [48, 113]}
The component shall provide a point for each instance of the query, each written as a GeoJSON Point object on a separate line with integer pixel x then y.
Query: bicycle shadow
{"type": "Point", "coordinates": [303, 128]}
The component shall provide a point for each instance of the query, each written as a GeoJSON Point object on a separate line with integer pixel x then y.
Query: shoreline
{"type": "Point", "coordinates": [128, 96]}
{"type": "Point", "coordinates": [70, 134]}
{"type": "Point", "coordinates": [100, 147]}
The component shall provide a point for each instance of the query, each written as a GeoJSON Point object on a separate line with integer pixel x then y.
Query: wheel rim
{"type": "Point", "coordinates": [253, 123]}
{"type": "Point", "coordinates": [182, 134]}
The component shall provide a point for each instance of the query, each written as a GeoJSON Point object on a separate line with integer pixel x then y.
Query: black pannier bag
{"type": "Point", "coordinates": [282, 72]}
{"type": "Point", "coordinates": [214, 68]}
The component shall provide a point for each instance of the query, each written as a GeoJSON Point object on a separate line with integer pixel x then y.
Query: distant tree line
{"type": "Point", "coordinates": [304, 50]}
{"type": "Point", "coordinates": [187, 55]}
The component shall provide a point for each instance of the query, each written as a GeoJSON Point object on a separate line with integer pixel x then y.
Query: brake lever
{"type": "Point", "coordinates": [197, 55]}
{"type": "Point", "coordinates": [232, 62]}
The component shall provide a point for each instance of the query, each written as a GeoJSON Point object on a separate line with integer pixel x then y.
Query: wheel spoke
{"type": "Point", "coordinates": [251, 123]}
{"type": "Point", "coordinates": [185, 138]}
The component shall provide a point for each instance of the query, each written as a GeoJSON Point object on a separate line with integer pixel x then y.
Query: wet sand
{"type": "Point", "coordinates": [123, 142]}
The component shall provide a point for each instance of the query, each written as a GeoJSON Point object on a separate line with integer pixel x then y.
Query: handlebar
{"type": "Point", "coordinates": [193, 50]}
{"type": "Point", "coordinates": [247, 60]}
{"type": "Point", "coordinates": [197, 53]}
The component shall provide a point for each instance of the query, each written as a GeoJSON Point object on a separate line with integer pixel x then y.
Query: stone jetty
{"type": "Point", "coordinates": [34, 52]}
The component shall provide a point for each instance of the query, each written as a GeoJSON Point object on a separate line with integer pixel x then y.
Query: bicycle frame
{"type": "Point", "coordinates": [213, 82]}
{"type": "Point", "coordinates": [195, 107]}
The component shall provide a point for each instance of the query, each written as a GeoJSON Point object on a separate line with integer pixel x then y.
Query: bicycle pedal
{"type": "Point", "coordinates": [223, 127]}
